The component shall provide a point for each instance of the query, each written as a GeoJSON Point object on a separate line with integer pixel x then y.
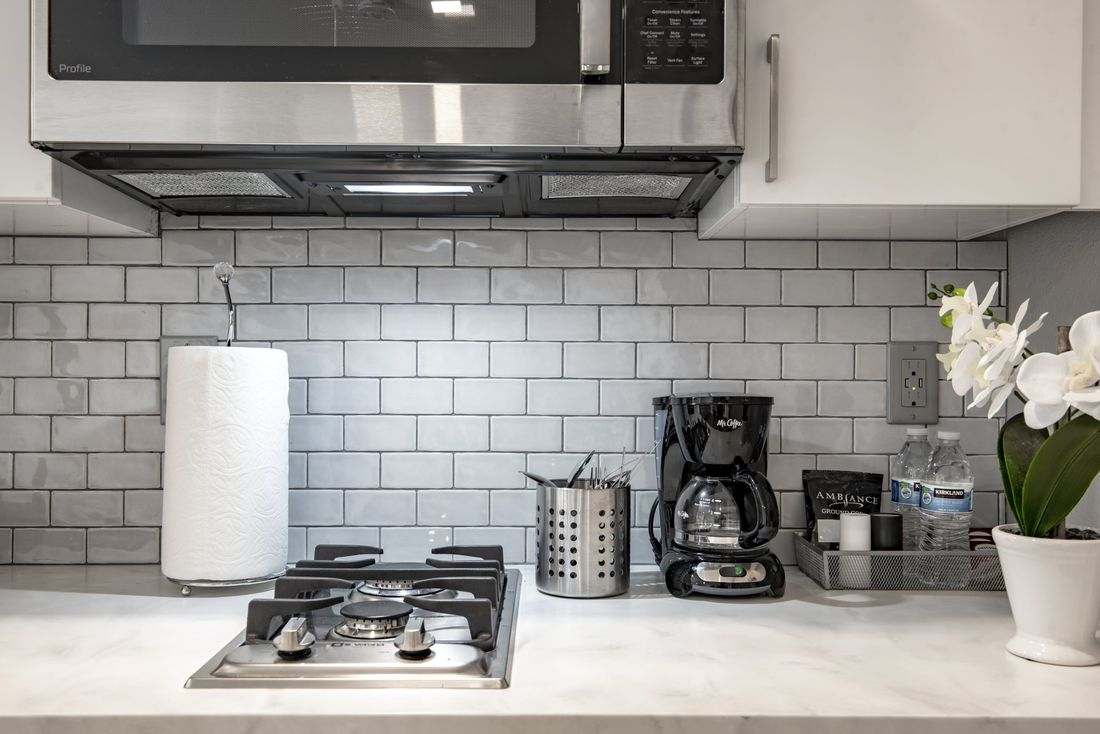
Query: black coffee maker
{"type": "Point", "coordinates": [717, 510]}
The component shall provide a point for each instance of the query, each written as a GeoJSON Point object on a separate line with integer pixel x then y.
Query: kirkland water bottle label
{"type": "Point", "coordinates": [946, 498]}
{"type": "Point", "coordinates": [905, 492]}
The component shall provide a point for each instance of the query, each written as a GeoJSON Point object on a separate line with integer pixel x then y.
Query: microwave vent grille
{"type": "Point", "coordinates": [202, 183]}
{"type": "Point", "coordinates": [649, 186]}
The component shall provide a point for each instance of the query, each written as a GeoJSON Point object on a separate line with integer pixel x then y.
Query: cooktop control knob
{"type": "Point", "coordinates": [415, 643]}
{"type": "Point", "coordinates": [294, 640]}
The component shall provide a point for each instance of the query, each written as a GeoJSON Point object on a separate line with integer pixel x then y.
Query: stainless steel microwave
{"type": "Point", "coordinates": [507, 107]}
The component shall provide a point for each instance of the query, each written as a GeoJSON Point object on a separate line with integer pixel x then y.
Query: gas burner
{"type": "Point", "coordinates": [336, 621]}
{"type": "Point", "coordinates": [373, 620]}
{"type": "Point", "coordinates": [395, 589]}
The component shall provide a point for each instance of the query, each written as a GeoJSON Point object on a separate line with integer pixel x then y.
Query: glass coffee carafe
{"type": "Point", "coordinates": [724, 513]}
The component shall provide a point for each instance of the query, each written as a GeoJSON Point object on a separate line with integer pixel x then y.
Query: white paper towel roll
{"type": "Point", "coordinates": [225, 464]}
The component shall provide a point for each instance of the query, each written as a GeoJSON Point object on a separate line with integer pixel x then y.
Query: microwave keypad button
{"type": "Point", "coordinates": [674, 41]}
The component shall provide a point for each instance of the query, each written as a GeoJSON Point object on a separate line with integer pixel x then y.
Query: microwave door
{"type": "Point", "coordinates": [376, 73]}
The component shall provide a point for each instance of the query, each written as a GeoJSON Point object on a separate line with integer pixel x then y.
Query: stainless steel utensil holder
{"type": "Point", "coordinates": [583, 540]}
{"type": "Point", "coordinates": [978, 570]}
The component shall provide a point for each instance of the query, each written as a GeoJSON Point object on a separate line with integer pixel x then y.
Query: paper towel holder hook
{"type": "Point", "coordinates": [223, 271]}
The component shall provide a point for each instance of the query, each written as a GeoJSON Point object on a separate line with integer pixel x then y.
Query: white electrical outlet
{"type": "Point", "coordinates": [912, 383]}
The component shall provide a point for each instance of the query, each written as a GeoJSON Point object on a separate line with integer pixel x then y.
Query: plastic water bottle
{"type": "Point", "coordinates": [908, 470]}
{"type": "Point", "coordinates": [946, 501]}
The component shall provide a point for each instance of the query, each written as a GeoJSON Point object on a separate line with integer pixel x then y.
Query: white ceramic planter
{"type": "Point", "coordinates": [1054, 590]}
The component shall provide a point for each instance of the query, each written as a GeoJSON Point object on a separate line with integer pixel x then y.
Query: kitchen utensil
{"type": "Point", "coordinates": [580, 467]}
{"type": "Point", "coordinates": [542, 481]}
{"type": "Point", "coordinates": [583, 540]}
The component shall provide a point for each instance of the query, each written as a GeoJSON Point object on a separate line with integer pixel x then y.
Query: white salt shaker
{"type": "Point", "coordinates": [855, 535]}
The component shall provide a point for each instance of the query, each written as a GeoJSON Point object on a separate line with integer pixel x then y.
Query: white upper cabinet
{"type": "Point", "coordinates": [1090, 112]}
{"type": "Point", "coordinates": [905, 118]}
{"type": "Point", "coordinates": [39, 196]}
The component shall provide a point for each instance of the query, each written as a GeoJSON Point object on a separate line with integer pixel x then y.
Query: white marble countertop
{"type": "Point", "coordinates": [106, 650]}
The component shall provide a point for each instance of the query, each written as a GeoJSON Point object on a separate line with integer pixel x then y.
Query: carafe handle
{"type": "Point", "coordinates": [767, 515]}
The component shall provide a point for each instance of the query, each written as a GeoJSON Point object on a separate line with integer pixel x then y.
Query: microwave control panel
{"type": "Point", "coordinates": [674, 41]}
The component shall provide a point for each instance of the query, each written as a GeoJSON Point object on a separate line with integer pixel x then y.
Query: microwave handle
{"type": "Point", "coordinates": [595, 37]}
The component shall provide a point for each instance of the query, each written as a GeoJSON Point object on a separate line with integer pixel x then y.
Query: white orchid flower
{"type": "Point", "coordinates": [983, 356]}
{"type": "Point", "coordinates": [1053, 383]}
{"type": "Point", "coordinates": [1004, 348]}
{"type": "Point", "coordinates": [967, 314]}
{"type": "Point", "coordinates": [964, 372]}
{"type": "Point", "coordinates": [1083, 394]}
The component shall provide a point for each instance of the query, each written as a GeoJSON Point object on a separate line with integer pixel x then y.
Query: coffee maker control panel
{"type": "Point", "coordinates": [730, 573]}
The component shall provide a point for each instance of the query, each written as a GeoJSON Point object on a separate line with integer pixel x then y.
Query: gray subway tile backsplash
{"type": "Point", "coordinates": [25, 282]}
{"type": "Point", "coordinates": [89, 359]}
{"type": "Point", "coordinates": [47, 320]}
{"type": "Point", "coordinates": [489, 249]}
{"type": "Point", "coordinates": [124, 321]}
{"type": "Point", "coordinates": [272, 247]}
{"type": "Point", "coordinates": [417, 247]}
{"type": "Point", "coordinates": [46, 396]}
{"type": "Point", "coordinates": [344, 247]}
{"type": "Point", "coordinates": [25, 508]}
{"type": "Point", "coordinates": [24, 358]}
{"type": "Point", "coordinates": [84, 509]}
{"type": "Point", "coordinates": [7, 395]}
{"type": "Point", "coordinates": [51, 250]}
{"type": "Point", "coordinates": [123, 545]}
{"type": "Point", "coordinates": [563, 249]}
{"type": "Point", "coordinates": [194, 247]}
{"type": "Point", "coordinates": [49, 545]}
{"type": "Point", "coordinates": [50, 471]}
{"type": "Point", "coordinates": [432, 360]}
{"type": "Point", "coordinates": [88, 283]}
{"type": "Point", "coordinates": [124, 251]}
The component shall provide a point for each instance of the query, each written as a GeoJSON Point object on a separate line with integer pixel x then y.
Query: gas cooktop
{"type": "Point", "coordinates": [344, 620]}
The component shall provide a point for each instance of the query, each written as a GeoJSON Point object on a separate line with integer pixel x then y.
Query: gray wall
{"type": "Point", "coordinates": [431, 360]}
{"type": "Point", "coordinates": [1055, 262]}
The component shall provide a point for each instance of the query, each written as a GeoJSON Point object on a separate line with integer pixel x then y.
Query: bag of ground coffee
{"type": "Point", "coordinates": [830, 493]}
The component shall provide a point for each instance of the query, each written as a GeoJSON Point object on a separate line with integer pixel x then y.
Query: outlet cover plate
{"type": "Point", "coordinates": [912, 383]}
{"type": "Point", "coordinates": [166, 343]}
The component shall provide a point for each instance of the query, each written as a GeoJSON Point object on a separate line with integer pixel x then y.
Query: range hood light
{"type": "Point", "coordinates": [452, 7]}
{"type": "Point", "coordinates": [400, 188]}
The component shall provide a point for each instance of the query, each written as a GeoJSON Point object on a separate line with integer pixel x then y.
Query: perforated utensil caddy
{"type": "Point", "coordinates": [583, 540]}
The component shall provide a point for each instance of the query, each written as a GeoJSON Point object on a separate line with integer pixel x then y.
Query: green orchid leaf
{"type": "Point", "coordinates": [1016, 447]}
{"type": "Point", "coordinates": [1059, 475]}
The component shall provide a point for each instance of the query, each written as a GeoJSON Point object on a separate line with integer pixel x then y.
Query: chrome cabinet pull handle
{"type": "Point", "coordinates": [595, 37]}
{"type": "Point", "coordinates": [771, 169]}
